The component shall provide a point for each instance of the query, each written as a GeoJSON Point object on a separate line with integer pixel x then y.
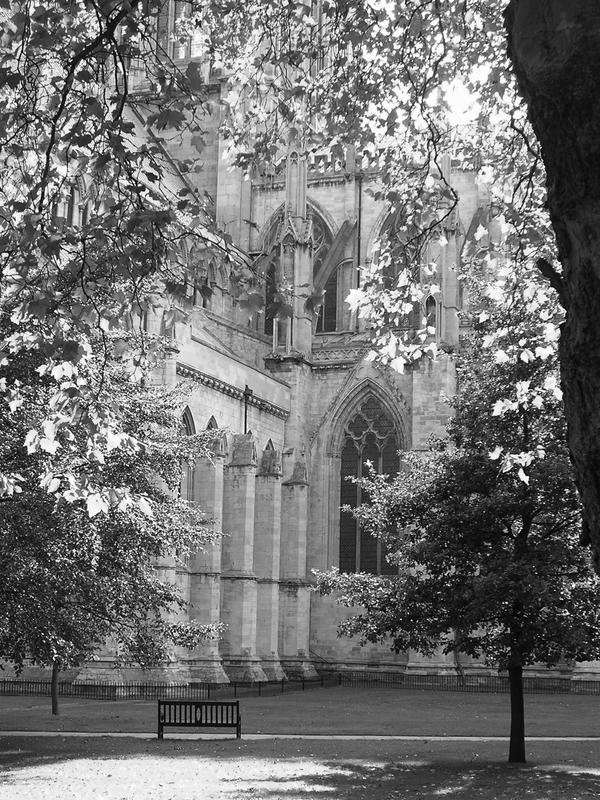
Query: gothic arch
{"type": "Point", "coordinates": [188, 468]}
{"type": "Point", "coordinates": [187, 422]}
{"type": "Point", "coordinates": [270, 230]}
{"type": "Point", "coordinates": [314, 207]}
{"type": "Point", "coordinates": [432, 313]}
{"type": "Point", "coordinates": [348, 406]}
{"type": "Point", "coordinates": [330, 442]}
{"type": "Point", "coordinates": [212, 424]}
{"type": "Point", "coordinates": [375, 232]}
{"type": "Point", "coordinates": [367, 428]}
{"type": "Point", "coordinates": [270, 262]}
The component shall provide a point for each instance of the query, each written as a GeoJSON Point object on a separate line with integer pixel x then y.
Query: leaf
{"type": "Point", "coordinates": [54, 485]}
{"type": "Point", "coordinates": [96, 504]}
{"type": "Point", "coordinates": [145, 507]}
{"type": "Point", "coordinates": [49, 445]}
{"type": "Point", "coordinates": [480, 233]}
{"type": "Point", "coordinates": [32, 441]}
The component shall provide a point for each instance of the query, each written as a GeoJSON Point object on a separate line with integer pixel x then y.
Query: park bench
{"type": "Point", "coordinates": [199, 714]}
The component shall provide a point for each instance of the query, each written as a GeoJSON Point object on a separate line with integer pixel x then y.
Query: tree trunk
{"type": "Point", "coordinates": [54, 687]}
{"type": "Point", "coordinates": [516, 750]}
{"type": "Point", "coordinates": [554, 46]}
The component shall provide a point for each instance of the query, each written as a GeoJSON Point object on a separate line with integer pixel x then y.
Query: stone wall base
{"type": "Point", "coordinates": [273, 670]}
{"type": "Point", "coordinates": [243, 671]}
{"type": "Point", "coordinates": [100, 672]}
{"type": "Point", "coordinates": [207, 671]}
{"type": "Point", "coordinates": [297, 669]}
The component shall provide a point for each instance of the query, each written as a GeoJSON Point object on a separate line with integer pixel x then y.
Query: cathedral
{"type": "Point", "coordinates": [300, 406]}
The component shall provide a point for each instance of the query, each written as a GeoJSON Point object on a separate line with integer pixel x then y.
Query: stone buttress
{"type": "Point", "coordinates": [238, 581]}
{"type": "Point", "coordinates": [267, 540]}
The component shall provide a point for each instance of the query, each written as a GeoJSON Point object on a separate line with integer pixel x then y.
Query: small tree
{"type": "Point", "coordinates": [77, 562]}
{"type": "Point", "coordinates": [489, 557]}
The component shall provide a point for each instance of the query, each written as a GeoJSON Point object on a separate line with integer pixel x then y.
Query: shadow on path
{"type": "Point", "coordinates": [277, 769]}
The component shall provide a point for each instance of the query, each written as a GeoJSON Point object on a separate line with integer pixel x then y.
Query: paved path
{"type": "Point", "coordinates": [258, 737]}
{"type": "Point", "coordinates": [285, 768]}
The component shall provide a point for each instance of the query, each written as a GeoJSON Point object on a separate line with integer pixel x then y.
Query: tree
{"type": "Point", "coordinates": [78, 571]}
{"type": "Point", "coordinates": [490, 560]}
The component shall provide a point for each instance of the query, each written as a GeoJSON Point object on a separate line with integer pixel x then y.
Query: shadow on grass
{"type": "Point", "coordinates": [275, 769]}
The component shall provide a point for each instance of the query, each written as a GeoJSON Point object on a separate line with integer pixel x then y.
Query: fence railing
{"type": "Point", "coordinates": [164, 691]}
{"type": "Point", "coordinates": [466, 683]}
{"type": "Point", "coordinates": [357, 679]}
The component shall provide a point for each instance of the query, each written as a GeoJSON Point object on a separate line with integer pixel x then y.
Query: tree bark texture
{"type": "Point", "coordinates": [554, 46]}
{"type": "Point", "coordinates": [516, 749]}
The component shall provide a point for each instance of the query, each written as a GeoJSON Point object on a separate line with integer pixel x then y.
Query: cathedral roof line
{"type": "Point", "coordinates": [232, 391]}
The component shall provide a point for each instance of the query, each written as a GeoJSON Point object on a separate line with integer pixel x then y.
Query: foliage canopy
{"type": "Point", "coordinates": [78, 573]}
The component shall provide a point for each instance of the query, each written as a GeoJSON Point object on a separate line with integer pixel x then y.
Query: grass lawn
{"type": "Point", "coordinates": [334, 710]}
{"type": "Point", "coordinates": [68, 768]}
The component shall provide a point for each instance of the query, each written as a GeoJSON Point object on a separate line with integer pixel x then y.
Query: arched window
{"type": "Point", "coordinates": [276, 245]}
{"type": "Point", "coordinates": [270, 268]}
{"type": "Point", "coordinates": [431, 314]}
{"type": "Point", "coordinates": [212, 424]}
{"type": "Point", "coordinates": [187, 478]}
{"type": "Point", "coordinates": [327, 319]}
{"type": "Point", "coordinates": [369, 436]}
{"type": "Point", "coordinates": [271, 279]}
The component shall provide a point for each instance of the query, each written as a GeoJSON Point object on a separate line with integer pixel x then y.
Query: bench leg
{"type": "Point", "coordinates": [238, 730]}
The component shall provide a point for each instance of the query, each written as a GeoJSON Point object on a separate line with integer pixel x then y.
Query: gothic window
{"type": "Point", "coordinates": [270, 268]}
{"type": "Point", "coordinates": [431, 314]}
{"type": "Point", "coordinates": [369, 436]}
{"type": "Point", "coordinates": [187, 481]}
{"type": "Point", "coordinates": [212, 424]}
{"type": "Point", "coordinates": [271, 280]}
{"type": "Point", "coordinates": [327, 319]}
{"type": "Point", "coordinates": [278, 260]}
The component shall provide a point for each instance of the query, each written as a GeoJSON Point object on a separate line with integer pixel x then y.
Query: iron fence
{"type": "Point", "coordinates": [163, 691]}
{"type": "Point", "coordinates": [348, 678]}
{"type": "Point", "coordinates": [466, 683]}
